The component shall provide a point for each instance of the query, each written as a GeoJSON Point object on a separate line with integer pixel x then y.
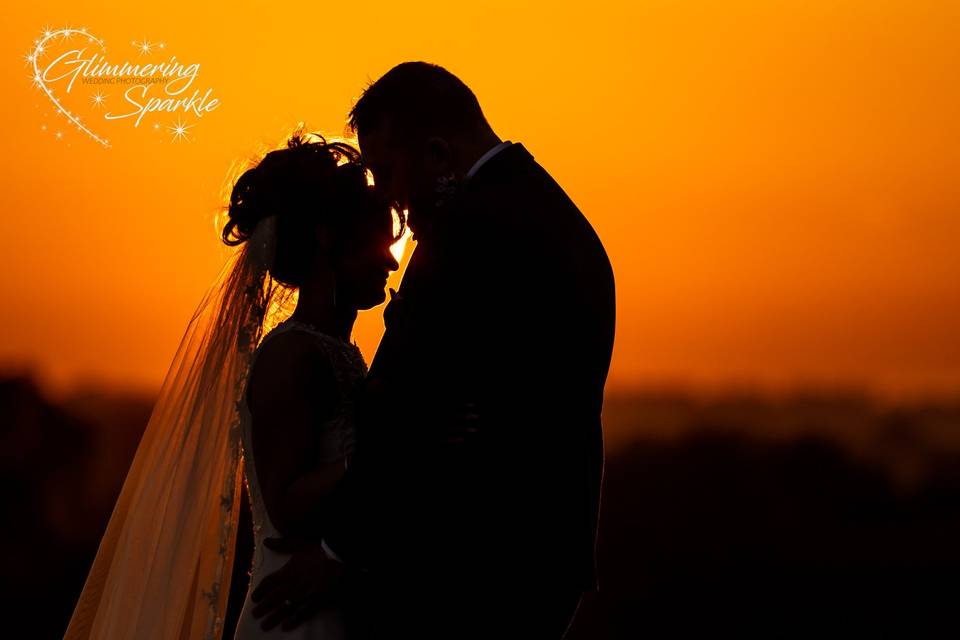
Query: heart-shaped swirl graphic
{"type": "Point", "coordinates": [38, 80]}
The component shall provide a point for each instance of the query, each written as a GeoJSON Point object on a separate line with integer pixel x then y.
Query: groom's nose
{"type": "Point", "coordinates": [392, 193]}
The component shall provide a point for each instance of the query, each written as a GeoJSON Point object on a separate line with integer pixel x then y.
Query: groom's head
{"type": "Point", "coordinates": [416, 125]}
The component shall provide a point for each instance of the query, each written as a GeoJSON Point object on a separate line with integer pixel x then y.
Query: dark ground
{"type": "Point", "coordinates": [818, 515]}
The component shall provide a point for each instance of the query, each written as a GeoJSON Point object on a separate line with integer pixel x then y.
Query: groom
{"type": "Point", "coordinates": [506, 311]}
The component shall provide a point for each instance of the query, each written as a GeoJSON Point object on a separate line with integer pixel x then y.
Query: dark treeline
{"type": "Point", "coordinates": [710, 526]}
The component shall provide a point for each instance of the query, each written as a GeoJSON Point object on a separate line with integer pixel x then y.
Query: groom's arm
{"type": "Point", "coordinates": [350, 525]}
{"type": "Point", "coordinates": [341, 529]}
{"type": "Point", "coordinates": [331, 525]}
{"type": "Point", "coordinates": [326, 565]}
{"type": "Point", "coordinates": [317, 574]}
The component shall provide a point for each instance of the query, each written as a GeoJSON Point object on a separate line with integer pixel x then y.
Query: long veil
{"type": "Point", "coordinates": [164, 564]}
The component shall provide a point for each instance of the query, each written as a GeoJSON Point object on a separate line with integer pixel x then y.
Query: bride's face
{"type": "Point", "coordinates": [365, 264]}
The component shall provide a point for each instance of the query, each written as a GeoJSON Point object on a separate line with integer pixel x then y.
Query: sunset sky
{"type": "Point", "coordinates": [777, 183]}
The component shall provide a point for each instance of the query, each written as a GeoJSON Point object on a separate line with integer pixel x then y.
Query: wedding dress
{"type": "Point", "coordinates": [335, 439]}
{"type": "Point", "coordinates": [163, 567]}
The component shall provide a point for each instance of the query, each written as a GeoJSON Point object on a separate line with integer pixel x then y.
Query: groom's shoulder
{"type": "Point", "coordinates": [516, 181]}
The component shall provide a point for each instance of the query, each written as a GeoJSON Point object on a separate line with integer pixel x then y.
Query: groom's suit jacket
{"type": "Point", "coordinates": [507, 303]}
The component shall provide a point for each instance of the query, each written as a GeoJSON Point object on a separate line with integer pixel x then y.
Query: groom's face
{"type": "Point", "coordinates": [399, 175]}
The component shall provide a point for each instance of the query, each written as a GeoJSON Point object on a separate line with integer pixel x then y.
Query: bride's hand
{"type": "Point", "coordinates": [308, 582]}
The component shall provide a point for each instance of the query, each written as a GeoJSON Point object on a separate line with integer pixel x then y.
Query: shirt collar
{"type": "Point", "coordinates": [489, 154]}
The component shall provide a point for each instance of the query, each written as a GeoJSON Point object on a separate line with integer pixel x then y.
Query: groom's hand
{"type": "Point", "coordinates": [287, 544]}
{"type": "Point", "coordinates": [308, 583]}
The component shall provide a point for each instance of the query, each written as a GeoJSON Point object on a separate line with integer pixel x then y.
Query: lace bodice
{"type": "Point", "coordinates": [335, 436]}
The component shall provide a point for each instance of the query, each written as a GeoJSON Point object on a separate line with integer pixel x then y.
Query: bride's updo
{"type": "Point", "coordinates": [310, 182]}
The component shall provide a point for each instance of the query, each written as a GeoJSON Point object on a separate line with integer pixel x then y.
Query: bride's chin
{"type": "Point", "coordinates": [373, 301]}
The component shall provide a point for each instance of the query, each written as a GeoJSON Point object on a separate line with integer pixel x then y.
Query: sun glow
{"type": "Point", "coordinates": [400, 246]}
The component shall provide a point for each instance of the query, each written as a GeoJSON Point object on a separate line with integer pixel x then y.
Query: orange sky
{"type": "Point", "coordinates": [777, 183]}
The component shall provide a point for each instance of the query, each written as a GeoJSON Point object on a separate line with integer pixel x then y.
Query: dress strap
{"type": "Point", "coordinates": [329, 341]}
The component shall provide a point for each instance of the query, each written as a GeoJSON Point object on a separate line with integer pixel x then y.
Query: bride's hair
{"type": "Point", "coordinates": [309, 182]}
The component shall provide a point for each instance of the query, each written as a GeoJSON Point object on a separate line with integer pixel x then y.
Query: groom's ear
{"type": "Point", "coordinates": [438, 154]}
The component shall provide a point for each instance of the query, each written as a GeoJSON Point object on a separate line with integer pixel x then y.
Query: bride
{"type": "Point", "coordinates": [244, 401]}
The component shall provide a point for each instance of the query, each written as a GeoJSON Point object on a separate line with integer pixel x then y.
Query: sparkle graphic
{"type": "Point", "coordinates": [144, 47]}
{"type": "Point", "coordinates": [179, 131]}
{"type": "Point", "coordinates": [37, 79]}
{"type": "Point", "coordinates": [98, 99]}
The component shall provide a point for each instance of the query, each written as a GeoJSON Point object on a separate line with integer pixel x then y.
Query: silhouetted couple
{"type": "Point", "coordinates": [452, 490]}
